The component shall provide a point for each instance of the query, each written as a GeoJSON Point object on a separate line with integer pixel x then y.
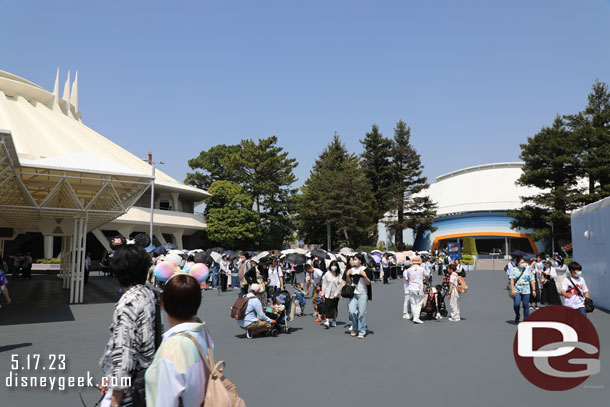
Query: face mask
{"type": "Point", "coordinates": [578, 274]}
{"type": "Point", "coordinates": [522, 266]}
{"type": "Point", "coordinates": [354, 263]}
{"type": "Point", "coordinates": [333, 268]}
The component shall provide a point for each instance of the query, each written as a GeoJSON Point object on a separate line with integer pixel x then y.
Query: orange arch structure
{"type": "Point", "coordinates": [475, 234]}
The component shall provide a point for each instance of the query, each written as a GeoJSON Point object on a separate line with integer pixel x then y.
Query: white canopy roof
{"type": "Point", "coordinates": [47, 131]}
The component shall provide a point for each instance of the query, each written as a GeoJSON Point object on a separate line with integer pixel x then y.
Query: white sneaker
{"type": "Point", "coordinates": [418, 321]}
{"type": "Point", "coordinates": [349, 328]}
{"type": "Point", "coordinates": [326, 324]}
{"type": "Point", "coordinates": [454, 319]}
{"type": "Point", "coordinates": [406, 316]}
{"type": "Point", "coordinates": [438, 317]}
{"type": "Point", "coordinates": [333, 323]}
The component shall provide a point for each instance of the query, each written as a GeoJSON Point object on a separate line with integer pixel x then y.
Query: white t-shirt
{"type": "Point", "coordinates": [361, 287]}
{"type": "Point", "coordinates": [316, 276]}
{"type": "Point", "coordinates": [274, 276]}
{"type": "Point", "coordinates": [575, 301]}
{"type": "Point", "coordinates": [453, 279]}
{"type": "Point", "coordinates": [414, 278]}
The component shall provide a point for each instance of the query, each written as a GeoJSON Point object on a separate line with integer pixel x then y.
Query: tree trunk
{"type": "Point", "coordinates": [400, 217]}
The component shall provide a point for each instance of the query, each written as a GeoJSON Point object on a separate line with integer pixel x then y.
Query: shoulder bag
{"type": "Point", "coordinates": [589, 307]}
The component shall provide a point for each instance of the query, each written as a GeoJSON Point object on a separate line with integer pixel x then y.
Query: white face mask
{"type": "Point", "coordinates": [578, 274]}
{"type": "Point", "coordinates": [333, 268]}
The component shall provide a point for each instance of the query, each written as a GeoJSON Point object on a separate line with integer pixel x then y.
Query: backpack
{"type": "Point", "coordinates": [238, 310]}
{"type": "Point", "coordinates": [219, 391]}
{"type": "Point", "coordinates": [462, 287]}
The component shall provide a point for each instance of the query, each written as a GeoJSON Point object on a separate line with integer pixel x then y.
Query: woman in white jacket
{"type": "Point", "coordinates": [332, 282]}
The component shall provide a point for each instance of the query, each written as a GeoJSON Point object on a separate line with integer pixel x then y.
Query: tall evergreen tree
{"type": "Point", "coordinates": [377, 164]}
{"type": "Point", "coordinates": [551, 164]}
{"type": "Point", "coordinates": [337, 193]}
{"type": "Point", "coordinates": [266, 172]}
{"type": "Point", "coordinates": [591, 129]}
{"type": "Point", "coordinates": [212, 165]}
{"type": "Point", "coordinates": [412, 209]}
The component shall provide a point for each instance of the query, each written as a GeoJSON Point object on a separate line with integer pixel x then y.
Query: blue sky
{"type": "Point", "coordinates": [473, 79]}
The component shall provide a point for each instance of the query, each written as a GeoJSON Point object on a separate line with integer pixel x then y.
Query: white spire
{"type": "Point", "coordinates": [56, 87]}
{"type": "Point", "coordinates": [56, 92]}
{"type": "Point", "coordinates": [74, 93]}
{"type": "Point", "coordinates": [66, 96]}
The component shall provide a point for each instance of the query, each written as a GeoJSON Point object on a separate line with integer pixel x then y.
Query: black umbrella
{"type": "Point", "coordinates": [370, 261]}
{"type": "Point", "coordinates": [235, 255]}
{"type": "Point", "coordinates": [319, 253]}
{"type": "Point", "coordinates": [295, 258]}
{"type": "Point", "coordinates": [159, 250]}
{"type": "Point", "coordinates": [201, 257]}
{"type": "Point", "coordinates": [518, 253]}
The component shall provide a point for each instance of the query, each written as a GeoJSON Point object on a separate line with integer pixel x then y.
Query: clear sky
{"type": "Point", "coordinates": [473, 79]}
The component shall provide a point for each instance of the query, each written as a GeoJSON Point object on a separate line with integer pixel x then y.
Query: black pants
{"type": "Point", "coordinates": [331, 308]}
{"type": "Point", "coordinates": [386, 275]}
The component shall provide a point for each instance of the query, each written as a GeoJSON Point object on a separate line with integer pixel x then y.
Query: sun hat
{"type": "Point", "coordinates": [256, 288]}
{"type": "Point", "coordinates": [281, 298]}
{"type": "Point", "coordinates": [416, 260]}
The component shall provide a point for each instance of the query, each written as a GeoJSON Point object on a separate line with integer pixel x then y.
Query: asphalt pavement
{"type": "Point", "coordinates": [466, 363]}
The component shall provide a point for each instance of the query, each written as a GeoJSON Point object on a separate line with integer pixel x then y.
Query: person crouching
{"type": "Point", "coordinates": [255, 321]}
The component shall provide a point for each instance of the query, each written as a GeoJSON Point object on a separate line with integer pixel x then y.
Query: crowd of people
{"type": "Point", "coordinates": [173, 367]}
{"type": "Point", "coordinates": [539, 282]}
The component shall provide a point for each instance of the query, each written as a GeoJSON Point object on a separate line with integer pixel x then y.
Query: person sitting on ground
{"type": "Point", "coordinates": [177, 373]}
{"type": "Point", "coordinates": [255, 321]}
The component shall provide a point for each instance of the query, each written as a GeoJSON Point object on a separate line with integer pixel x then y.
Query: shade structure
{"type": "Point", "coordinates": [61, 198]}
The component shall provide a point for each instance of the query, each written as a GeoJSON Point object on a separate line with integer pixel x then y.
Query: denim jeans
{"type": "Point", "coordinates": [215, 275]}
{"type": "Point", "coordinates": [357, 313]}
{"type": "Point", "coordinates": [235, 281]}
{"type": "Point", "coordinates": [582, 311]}
{"type": "Point", "coordinates": [519, 298]}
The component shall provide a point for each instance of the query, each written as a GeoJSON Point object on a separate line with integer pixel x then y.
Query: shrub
{"type": "Point", "coordinates": [467, 260]}
{"type": "Point", "coordinates": [48, 261]}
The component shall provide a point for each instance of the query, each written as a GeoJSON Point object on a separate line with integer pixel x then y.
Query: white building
{"type": "Point", "coordinates": [48, 134]}
{"type": "Point", "coordinates": [473, 202]}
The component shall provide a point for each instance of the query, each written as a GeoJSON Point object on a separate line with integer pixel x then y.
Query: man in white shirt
{"type": "Point", "coordinates": [224, 268]}
{"type": "Point", "coordinates": [575, 289]}
{"type": "Point", "coordinates": [414, 290]}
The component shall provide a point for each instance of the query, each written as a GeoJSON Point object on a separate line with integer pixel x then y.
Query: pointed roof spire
{"type": "Point", "coordinates": [74, 93]}
{"type": "Point", "coordinates": [66, 96]}
{"type": "Point", "coordinates": [56, 87]}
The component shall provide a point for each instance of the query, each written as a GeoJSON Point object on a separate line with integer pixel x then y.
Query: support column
{"type": "Point", "coordinates": [77, 272]}
{"type": "Point", "coordinates": [101, 238]}
{"type": "Point", "coordinates": [159, 236]}
{"type": "Point", "coordinates": [2, 251]}
{"type": "Point", "coordinates": [506, 246]}
{"type": "Point", "coordinates": [48, 247]}
{"type": "Point", "coordinates": [178, 238]}
{"type": "Point", "coordinates": [125, 231]}
{"type": "Point", "coordinates": [176, 201]}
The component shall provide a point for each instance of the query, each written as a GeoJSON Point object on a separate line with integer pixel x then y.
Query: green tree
{"type": "Point", "coordinates": [591, 129]}
{"type": "Point", "coordinates": [377, 164]}
{"type": "Point", "coordinates": [212, 165]}
{"type": "Point", "coordinates": [413, 210]}
{"type": "Point", "coordinates": [550, 164]}
{"type": "Point", "coordinates": [337, 193]}
{"type": "Point", "coordinates": [231, 221]}
{"type": "Point", "coordinates": [266, 172]}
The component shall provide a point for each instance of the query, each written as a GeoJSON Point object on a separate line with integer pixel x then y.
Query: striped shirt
{"type": "Point", "coordinates": [131, 346]}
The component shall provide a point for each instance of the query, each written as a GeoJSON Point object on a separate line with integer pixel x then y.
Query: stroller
{"type": "Point", "coordinates": [281, 317]}
{"type": "Point", "coordinates": [435, 302]}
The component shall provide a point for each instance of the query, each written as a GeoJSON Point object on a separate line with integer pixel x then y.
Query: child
{"type": "Point", "coordinates": [300, 297]}
{"type": "Point", "coordinates": [319, 298]}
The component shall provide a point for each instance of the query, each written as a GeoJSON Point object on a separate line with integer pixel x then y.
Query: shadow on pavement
{"type": "Point", "coordinates": [43, 299]}
{"type": "Point", "coordinates": [14, 346]}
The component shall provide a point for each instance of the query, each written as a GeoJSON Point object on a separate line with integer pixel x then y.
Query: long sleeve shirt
{"type": "Point", "coordinates": [254, 312]}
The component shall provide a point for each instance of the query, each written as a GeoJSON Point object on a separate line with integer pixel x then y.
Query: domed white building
{"type": "Point", "coordinates": [43, 134]}
{"type": "Point", "coordinates": [473, 202]}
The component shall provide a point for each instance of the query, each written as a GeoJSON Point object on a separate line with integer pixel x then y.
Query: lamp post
{"type": "Point", "coordinates": [153, 164]}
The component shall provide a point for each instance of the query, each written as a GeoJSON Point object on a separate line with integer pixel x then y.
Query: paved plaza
{"type": "Point", "coordinates": [468, 363]}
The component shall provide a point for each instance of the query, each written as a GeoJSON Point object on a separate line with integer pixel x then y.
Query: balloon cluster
{"type": "Point", "coordinates": [164, 270]}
